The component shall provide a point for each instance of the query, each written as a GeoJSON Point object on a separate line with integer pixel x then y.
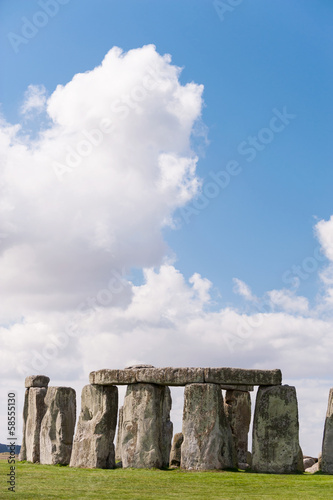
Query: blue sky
{"type": "Point", "coordinates": [257, 61]}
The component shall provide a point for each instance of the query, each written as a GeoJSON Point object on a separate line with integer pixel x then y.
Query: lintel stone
{"type": "Point", "coordinates": [228, 378]}
{"type": "Point", "coordinates": [235, 376]}
{"type": "Point", "coordinates": [170, 376]}
{"type": "Point", "coordinates": [160, 376]}
{"type": "Point", "coordinates": [36, 381]}
{"type": "Point", "coordinates": [113, 377]}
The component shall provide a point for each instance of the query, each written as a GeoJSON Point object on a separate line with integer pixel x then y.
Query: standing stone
{"type": "Point", "coordinates": [275, 442]}
{"type": "Point", "coordinates": [176, 450]}
{"type": "Point", "coordinates": [118, 443]}
{"type": "Point", "coordinates": [33, 412]}
{"type": "Point", "coordinates": [145, 418]}
{"type": "Point", "coordinates": [57, 427]}
{"type": "Point", "coordinates": [238, 411]}
{"type": "Point", "coordinates": [208, 441]}
{"type": "Point", "coordinates": [167, 427]}
{"type": "Point", "coordinates": [23, 450]}
{"type": "Point", "coordinates": [326, 462]}
{"type": "Point", "coordinates": [36, 411]}
{"type": "Point", "coordinates": [93, 443]}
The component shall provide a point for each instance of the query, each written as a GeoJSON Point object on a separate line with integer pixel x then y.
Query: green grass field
{"type": "Point", "coordinates": [47, 481]}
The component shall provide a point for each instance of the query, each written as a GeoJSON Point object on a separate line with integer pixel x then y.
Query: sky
{"type": "Point", "coordinates": [165, 191]}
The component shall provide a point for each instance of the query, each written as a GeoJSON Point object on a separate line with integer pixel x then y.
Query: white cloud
{"type": "Point", "coordinates": [324, 231]}
{"type": "Point", "coordinates": [243, 290]}
{"type": "Point", "coordinates": [202, 287]}
{"type": "Point", "coordinates": [166, 322]}
{"type": "Point", "coordinates": [34, 100]}
{"type": "Point", "coordinates": [65, 239]}
{"type": "Point", "coordinates": [288, 301]}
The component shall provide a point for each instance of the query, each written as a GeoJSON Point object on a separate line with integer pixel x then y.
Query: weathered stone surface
{"type": "Point", "coordinates": [228, 378]}
{"type": "Point", "coordinates": [57, 427]}
{"type": "Point", "coordinates": [147, 375]}
{"type": "Point", "coordinates": [120, 426]}
{"type": "Point", "coordinates": [23, 450]}
{"type": "Point", "coordinates": [319, 459]}
{"type": "Point", "coordinates": [113, 377]}
{"type": "Point", "coordinates": [167, 427]}
{"type": "Point", "coordinates": [145, 419]}
{"type": "Point", "coordinates": [249, 458]}
{"type": "Point", "coordinates": [309, 462]}
{"type": "Point", "coordinates": [327, 448]}
{"type": "Point", "coordinates": [170, 376]}
{"type": "Point", "coordinates": [313, 469]}
{"type": "Point", "coordinates": [300, 465]}
{"type": "Point", "coordinates": [37, 381]}
{"type": "Point", "coordinates": [275, 442]}
{"type": "Point", "coordinates": [238, 411]}
{"type": "Point", "coordinates": [230, 387]}
{"type": "Point", "coordinates": [36, 412]}
{"type": "Point", "coordinates": [93, 443]}
{"type": "Point", "coordinates": [236, 376]}
{"type": "Point", "coordinates": [175, 454]}
{"type": "Point", "coordinates": [208, 441]}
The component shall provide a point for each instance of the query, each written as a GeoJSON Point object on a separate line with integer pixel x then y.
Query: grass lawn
{"type": "Point", "coordinates": [48, 481]}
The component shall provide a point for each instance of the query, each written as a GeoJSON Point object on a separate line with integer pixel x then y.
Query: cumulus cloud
{"type": "Point", "coordinates": [168, 321]}
{"type": "Point", "coordinates": [86, 201]}
{"type": "Point", "coordinates": [91, 196]}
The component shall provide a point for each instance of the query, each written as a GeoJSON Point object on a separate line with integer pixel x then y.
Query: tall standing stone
{"type": "Point", "coordinates": [23, 450]}
{"type": "Point", "coordinates": [167, 426]}
{"type": "Point", "coordinates": [120, 426]}
{"type": "Point", "coordinates": [57, 427]}
{"type": "Point", "coordinates": [208, 441]}
{"type": "Point", "coordinates": [33, 412]}
{"type": "Point", "coordinates": [275, 442]}
{"type": "Point", "coordinates": [176, 449]}
{"type": "Point", "coordinates": [146, 418]}
{"type": "Point", "coordinates": [238, 410]}
{"type": "Point", "coordinates": [327, 449]}
{"type": "Point", "coordinates": [93, 443]}
{"type": "Point", "coordinates": [36, 412]}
